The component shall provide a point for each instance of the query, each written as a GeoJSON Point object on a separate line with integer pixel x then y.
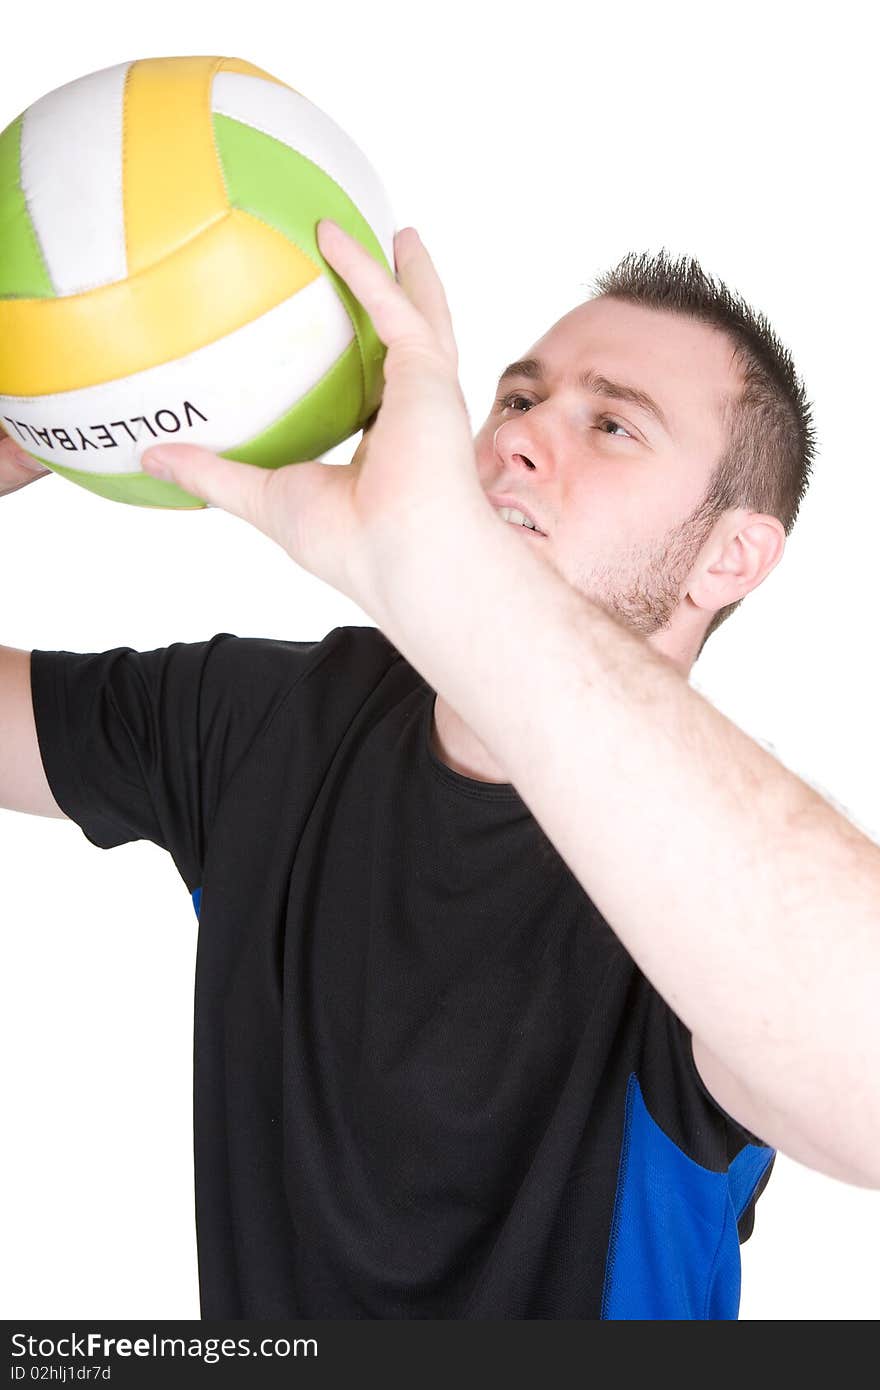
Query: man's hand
{"type": "Point", "coordinates": [359, 526]}
{"type": "Point", "coordinates": [17, 468]}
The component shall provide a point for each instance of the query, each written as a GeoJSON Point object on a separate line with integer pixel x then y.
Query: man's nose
{"type": "Point", "coordinates": [517, 457]}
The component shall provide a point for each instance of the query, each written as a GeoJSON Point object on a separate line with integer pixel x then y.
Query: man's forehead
{"type": "Point", "coordinates": [637, 332]}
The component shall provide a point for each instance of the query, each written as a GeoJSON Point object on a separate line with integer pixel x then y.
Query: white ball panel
{"type": "Point", "coordinates": [241, 384]}
{"type": "Point", "coordinates": [297, 122]}
{"type": "Point", "coordinates": [71, 173]}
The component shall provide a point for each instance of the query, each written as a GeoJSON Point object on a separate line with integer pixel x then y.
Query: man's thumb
{"type": "Point", "coordinates": [235, 487]}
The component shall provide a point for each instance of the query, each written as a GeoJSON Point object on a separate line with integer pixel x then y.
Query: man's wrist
{"type": "Point", "coordinates": [419, 570]}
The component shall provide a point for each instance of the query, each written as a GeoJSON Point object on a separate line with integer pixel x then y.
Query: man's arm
{"type": "Point", "coordinates": [23, 784]}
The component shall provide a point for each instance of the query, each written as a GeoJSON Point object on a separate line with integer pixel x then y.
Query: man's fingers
{"type": "Point", "coordinates": [418, 276]}
{"type": "Point", "coordinates": [414, 310]}
{"type": "Point", "coordinates": [17, 468]}
{"type": "Point", "coordinates": [12, 453]}
{"type": "Point", "coordinates": [389, 308]}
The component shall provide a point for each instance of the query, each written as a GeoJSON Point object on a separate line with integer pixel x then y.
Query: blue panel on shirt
{"type": "Point", "coordinates": [197, 900]}
{"type": "Point", "coordinates": [674, 1247]}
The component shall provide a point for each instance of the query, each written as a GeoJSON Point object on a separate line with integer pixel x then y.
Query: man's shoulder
{"type": "Point", "coordinates": [349, 642]}
{"type": "Point", "coordinates": [346, 641]}
{"type": "Point", "coordinates": [348, 657]}
{"type": "Point", "coordinates": [291, 690]}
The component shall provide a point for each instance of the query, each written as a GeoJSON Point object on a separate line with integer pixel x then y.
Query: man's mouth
{"type": "Point", "coordinates": [518, 518]}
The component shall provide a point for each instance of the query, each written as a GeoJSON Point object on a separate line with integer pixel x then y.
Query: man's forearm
{"type": "Point", "coordinates": [750, 903]}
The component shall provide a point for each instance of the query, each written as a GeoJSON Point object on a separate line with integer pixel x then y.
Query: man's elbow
{"type": "Point", "coordinates": [855, 1163]}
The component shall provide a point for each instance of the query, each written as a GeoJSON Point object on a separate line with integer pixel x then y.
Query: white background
{"type": "Point", "coordinates": [532, 145]}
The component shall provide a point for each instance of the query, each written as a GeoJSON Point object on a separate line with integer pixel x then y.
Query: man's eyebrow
{"type": "Point", "coordinates": [534, 369]}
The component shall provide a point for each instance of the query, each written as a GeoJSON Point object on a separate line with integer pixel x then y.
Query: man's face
{"type": "Point", "coordinates": [612, 486]}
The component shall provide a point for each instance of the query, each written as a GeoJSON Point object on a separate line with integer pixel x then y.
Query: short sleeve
{"type": "Point", "coordinates": [139, 745]}
{"type": "Point", "coordinates": [737, 1136]}
{"type": "Point", "coordinates": [689, 1115]}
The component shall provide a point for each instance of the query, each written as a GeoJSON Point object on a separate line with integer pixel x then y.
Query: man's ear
{"type": "Point", "coordinates": [742, 551]}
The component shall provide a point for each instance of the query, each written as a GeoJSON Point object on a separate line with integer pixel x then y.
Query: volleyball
{"type": "Point", "coordinates": [160, 276]}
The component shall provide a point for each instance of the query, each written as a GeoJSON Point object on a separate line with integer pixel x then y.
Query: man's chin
{"type": "Point", "coordinates": [643, 614]}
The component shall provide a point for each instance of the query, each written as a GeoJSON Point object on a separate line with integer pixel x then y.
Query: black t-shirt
{"type": "Point", "coordinates": [429, 1080]}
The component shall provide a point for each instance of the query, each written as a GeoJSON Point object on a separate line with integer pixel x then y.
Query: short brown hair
{"type": "Point", "coordinates": [771, 444]}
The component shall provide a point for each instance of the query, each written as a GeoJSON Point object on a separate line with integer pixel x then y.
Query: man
{"type": "Point", "coordinates": [431, 1079]}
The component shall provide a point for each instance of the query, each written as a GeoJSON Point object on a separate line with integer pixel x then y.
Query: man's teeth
{"type": "Point", "coordinates": [517, 517]}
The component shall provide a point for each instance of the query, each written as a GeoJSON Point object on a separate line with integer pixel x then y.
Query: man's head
{"type": "Point", "coordinates": [671, 501]}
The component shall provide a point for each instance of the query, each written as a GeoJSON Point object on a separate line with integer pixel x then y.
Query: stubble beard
{"type": "Point", "coordinates": [644, 590]}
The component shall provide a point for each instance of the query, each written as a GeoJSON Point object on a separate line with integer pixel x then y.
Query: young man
{"type": "Point", "coordinates": [443, 1065]}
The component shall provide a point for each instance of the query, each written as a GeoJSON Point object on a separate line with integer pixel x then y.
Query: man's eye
{"type": "Point", "coordinates": [504, 401]}
{"type": "Point", "coordinates": [608, 420]}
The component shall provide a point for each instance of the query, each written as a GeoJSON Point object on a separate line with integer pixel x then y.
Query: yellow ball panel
{"type": "Point", "coordinates": [236, 270]}
{"type": "Point", "coordinates": [172, 181]}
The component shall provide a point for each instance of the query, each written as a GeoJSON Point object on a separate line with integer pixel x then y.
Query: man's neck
{"type": "Point", "coordinates": [455, 743]}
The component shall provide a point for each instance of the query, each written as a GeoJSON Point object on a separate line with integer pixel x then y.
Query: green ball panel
{"type": "Point", "coordinates": [23, 272]}
{"type": "Point", "coordinates": [324, 417]}
{"type": "Point", "coordinates": [271, 181]}
{"type": "Point", "coordinates": [139, 489]}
